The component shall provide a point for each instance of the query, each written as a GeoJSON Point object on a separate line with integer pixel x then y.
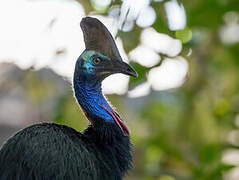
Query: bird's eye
{"type": "Point", "coordinates": [96, 60]}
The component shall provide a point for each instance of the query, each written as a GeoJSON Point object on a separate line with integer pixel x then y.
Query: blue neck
{"type": "Point", "coordinates": [89, 95]}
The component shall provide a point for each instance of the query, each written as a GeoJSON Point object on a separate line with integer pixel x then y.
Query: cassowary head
{"type": "Point", "coordinates": [101, 57]}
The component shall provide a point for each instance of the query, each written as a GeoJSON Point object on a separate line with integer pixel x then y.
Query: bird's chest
{"type": "Point", "coordinates": [108, 163]}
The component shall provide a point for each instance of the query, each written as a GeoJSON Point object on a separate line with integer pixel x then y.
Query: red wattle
{"type": "Point", "coordinates": [118, 121]}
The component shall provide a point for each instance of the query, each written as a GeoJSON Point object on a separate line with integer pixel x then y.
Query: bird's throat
{"type": "Point", "coordinates": [93, 103]}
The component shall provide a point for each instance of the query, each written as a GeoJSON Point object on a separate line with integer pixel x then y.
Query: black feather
{"type": "Point", "coordinates": [51, 151]}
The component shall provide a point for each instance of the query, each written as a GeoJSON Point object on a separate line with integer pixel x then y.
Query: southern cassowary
{"type": "Point", "coordinates": [51, 151]}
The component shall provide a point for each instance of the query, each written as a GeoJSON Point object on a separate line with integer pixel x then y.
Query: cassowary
{"type": "Point", "coordinates": [51, 151]}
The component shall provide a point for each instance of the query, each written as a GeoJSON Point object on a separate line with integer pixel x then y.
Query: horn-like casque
{"type": "Point", "coordinates": [98, 38]}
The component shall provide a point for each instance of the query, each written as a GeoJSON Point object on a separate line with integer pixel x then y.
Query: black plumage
{"type": "Point", "coordinates": [52, 151]}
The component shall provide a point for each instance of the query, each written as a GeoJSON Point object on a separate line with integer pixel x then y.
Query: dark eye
{"type": "Point", "coordinates": [96, 60]}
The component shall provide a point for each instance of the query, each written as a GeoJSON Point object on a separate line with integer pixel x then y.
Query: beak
{"type": "Point", "coordinates": [122, 67]}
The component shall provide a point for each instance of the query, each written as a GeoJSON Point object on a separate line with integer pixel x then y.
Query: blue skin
{"type": "Point", "coordinates": [87, 87]}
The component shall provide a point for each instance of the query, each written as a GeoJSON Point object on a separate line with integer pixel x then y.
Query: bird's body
{"type": "Point", "coordinates": [51, 151]}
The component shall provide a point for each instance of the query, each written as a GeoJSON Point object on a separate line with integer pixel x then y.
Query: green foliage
{"type": "Point", "coordinates": [184, 35]}
{"type": "Point", "coordinates": [142, 72]}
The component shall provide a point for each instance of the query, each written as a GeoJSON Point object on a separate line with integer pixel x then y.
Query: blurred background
{"type": "Point", "coordinates": [183, 110]}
